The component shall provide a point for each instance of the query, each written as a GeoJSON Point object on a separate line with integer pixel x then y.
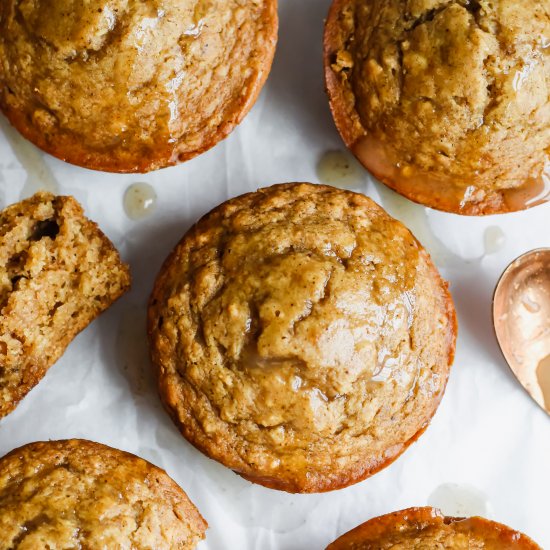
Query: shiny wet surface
{"type": "Point", "coordinates": [521, 312]}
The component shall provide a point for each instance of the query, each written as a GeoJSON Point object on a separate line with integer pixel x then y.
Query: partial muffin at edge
{"type": "Point", "coordinates": [81, 494]}
{"type": "Point", "coordinates": [302, 337]}
{"type": "Point", "coordinates": [445, 101]}
{"type": "Point", "coordinates": [426, 528]}
{"type": "Point", "coordinates": [132, 86]}
{"type": "Point", "coordinates": [58, 272]}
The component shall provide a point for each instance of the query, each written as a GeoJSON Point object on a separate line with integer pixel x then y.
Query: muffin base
{"type": "Point", "coordinates": [430, 189]}
{"type": "Point", "coordinates": [387, 525]}
{"type": "Point", "coordinates": [299, 482]}
{"type": "Point", "coordinates": [66, 147]}
{"type": "Point", "coordinates": [67, 493]}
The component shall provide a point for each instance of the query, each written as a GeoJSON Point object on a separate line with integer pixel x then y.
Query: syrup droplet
{"type": "Point", "coordinates": [385, 367]}
{"type": "Point", "coordinates": [532, 193]}
{"type": "Point", "coordinates": [140, 201]}
{"type": "Point", "coordinates": [459, 500]}
{"type": "Point", "coordinates": [494, 239]}
{"type": "Point", "coordinates": [522, 76]}
{"type": "Point", "coordinates": [341, 169]}
{"type": "Point", "coordinates": [530, 305]}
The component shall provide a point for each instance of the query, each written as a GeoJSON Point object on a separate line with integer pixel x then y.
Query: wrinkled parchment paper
{"type": "Point", "coordinates": [487, 434]}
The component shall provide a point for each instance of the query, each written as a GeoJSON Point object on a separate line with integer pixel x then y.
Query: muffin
{"type": "Point", "coordinates": [446, 102]}
{"type": "Point", "coordinates": [302, 337]}
{"type": "Point", "coordinates": [58, 272]}
{"type": "Point", "coordinates": [80, 494]}
{"type": "Point", "coordinates": [426, 528]}
{"type": "Point", "coordinates": [132, 86]}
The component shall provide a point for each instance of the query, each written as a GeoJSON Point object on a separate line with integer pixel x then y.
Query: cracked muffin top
{"type": "Point", "coordinates": [427, 529]}
{"type": "Point", "coordinates": [302, 337]}
{"type": "Point", "coordinates": [445, 101]}
{"type": "Point", "coordinates": [128, 85]}
{"type": "Point", "coordinates": [80, 494]}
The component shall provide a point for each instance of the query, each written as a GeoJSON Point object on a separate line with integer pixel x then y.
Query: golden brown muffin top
{"type": "Point", "coordinates": [80, 494]}
{"type": "Point", "coordinates": [302, 336]}
{"type": "Point", "coordinates": [128, 85]}
{"type": "Point", "coordinates": [427, 529]}
{"type": "Point", "coordinates": [446, 100]}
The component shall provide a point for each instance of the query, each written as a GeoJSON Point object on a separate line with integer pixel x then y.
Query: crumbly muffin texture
{"type": "Point", "coordinates": [78, 494]}
{"type": "Point", "coordinates": [427, 529]}
{"type": "Point", "coordinates": [58, 272]}
{"type": "Point", "coordinates": [302, 336]}
{"type": "Point", "coordinates": [454, 93]}
{"type": "Point", "coordinates": [128, 85]}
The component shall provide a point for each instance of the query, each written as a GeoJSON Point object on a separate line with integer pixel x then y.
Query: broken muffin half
{"type": "Point", "coordinates": [58, 272]}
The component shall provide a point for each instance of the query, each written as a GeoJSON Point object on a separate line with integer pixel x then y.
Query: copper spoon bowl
{"type": "Point", "coordinates": [521, 315]}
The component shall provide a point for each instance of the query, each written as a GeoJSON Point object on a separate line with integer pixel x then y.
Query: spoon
{"type": "Point", "coordinates": [521, 315]}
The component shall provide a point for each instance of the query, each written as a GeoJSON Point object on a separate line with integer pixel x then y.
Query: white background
{"type": "Point", "coordinates": [487, 434]}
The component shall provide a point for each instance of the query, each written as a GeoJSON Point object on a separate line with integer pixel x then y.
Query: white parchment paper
{"type": "Point", "coordinates": [487, 436]}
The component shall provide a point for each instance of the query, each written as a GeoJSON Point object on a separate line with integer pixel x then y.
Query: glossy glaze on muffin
{"type": "Point", "coordinates": [81, 494]}
{"type": "Point", "coordinates": [427, 529]}
{"type": "Point", "coordinates": [445, 101]}
{"type": "Point", "coordinates": [302, 337]}
{"type": "Point", "coordinates": [127, 85]}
